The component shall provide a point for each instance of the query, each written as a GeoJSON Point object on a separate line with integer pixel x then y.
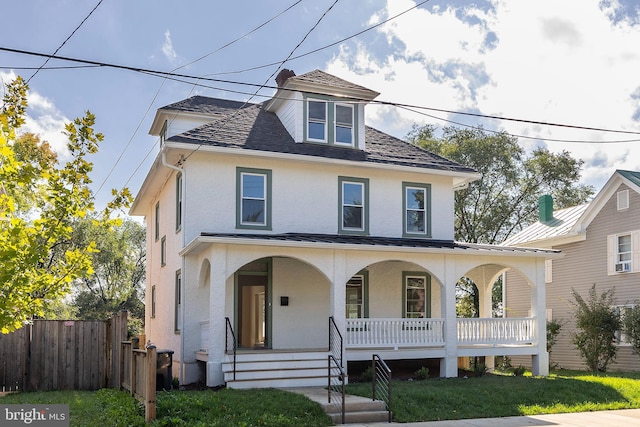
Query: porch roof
{"type": "Point", "coordinates": [366, 243]}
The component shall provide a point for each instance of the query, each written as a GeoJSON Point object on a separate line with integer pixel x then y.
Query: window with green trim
{"type": "Point", "coordinates": [157, 221]}
{"type": "Point", "coordinates": [357, 305]}
{"type": "Point", "coordinates": [163, 251]}
{"type": "Point", "coordinates": [317, 120]}
{"type": "Point", "coordinates": [416, 296]}
{"type": "Point", "coordinates": [330, 121]}
{"type": "Point", "coordinates": [253, 198]}
{"type": "Point", "coordinates": [178, 302]}
{"type": "Point", "coordinates": [178, 202]}
{"type": "Point", "coordinates": [416, 200]}
{"type": "Point", "coordinates": [354, 205]}
{"type": "Point", "coordinates": [344, 124]}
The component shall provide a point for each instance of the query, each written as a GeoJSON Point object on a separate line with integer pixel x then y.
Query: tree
{"type": "Point", "coordinates": [505, 199]}
{"type": "Point", "coordinates": [38, 259]}
{"type": "Point", "coordinates": [631, 320]}
{"type": "Point", "coordinates": [597, 321]}
{"type": "Point", "coordinates": [117, 282]}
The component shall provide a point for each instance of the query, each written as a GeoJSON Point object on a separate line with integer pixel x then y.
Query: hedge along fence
{"type": "Point", "coordinates": [63, 355]}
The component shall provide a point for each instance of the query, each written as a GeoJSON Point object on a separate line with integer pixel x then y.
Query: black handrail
{"type": "Point", "coordinates": [381, 382]}
{"type": "Point", "coordinates": [335, 340]}
{"type": "Point", "coordinates": [338, 385]}
{"type": "Point", "coordinates": [234, 344]}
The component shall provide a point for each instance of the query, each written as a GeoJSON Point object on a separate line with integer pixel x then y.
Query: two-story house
{"type": "Point", "coordinates": [280, 233]}
{"type": "Point", "coordinates": [600, 242]}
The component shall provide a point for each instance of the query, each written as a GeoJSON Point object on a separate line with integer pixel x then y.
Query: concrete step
{"type": "Point", "coordinates": [279, 382]}
{"type": "Point", "coordinates": [360, 417]}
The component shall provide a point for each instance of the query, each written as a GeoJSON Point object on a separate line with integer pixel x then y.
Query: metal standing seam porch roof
{"type": "Point", "coordinates": [379, 242]}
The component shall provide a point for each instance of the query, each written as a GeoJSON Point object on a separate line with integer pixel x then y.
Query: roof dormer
{"type": "Point", "coordinates": [320, 108]}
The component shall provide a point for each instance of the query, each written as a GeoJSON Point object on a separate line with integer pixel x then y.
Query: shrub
{"type": "Point", "coordinates": [479, 369]}
{"type": "Point", "coordinates": [632, 327]}
{"type": "Point", "coordinates": [597, 321]}
{"type": "Point", "coordinates": [519, 371]}
{"type": "Point", "coordinates": [503, 363]}
{"type": "Point", "coordinates": [367, 375]}
{"type": "Point", "coordinates": [553, 330]}
{"type": "Point", "coordinates": [422, 373]}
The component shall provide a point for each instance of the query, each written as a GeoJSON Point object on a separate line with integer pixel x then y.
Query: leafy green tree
{"type": "Point", "coordinates": [632, 326]}
{"type": "Point", "coordinates": [117, 282]}
{"type": "Point", "coordinates": [505, 199]}
{"type": "Point", "coordinates": [597, 321]}
{"type": "Point", "coordinates": [38, 258]}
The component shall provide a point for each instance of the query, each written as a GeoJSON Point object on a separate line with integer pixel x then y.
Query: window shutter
{"type": "Point", "coordinates": [611, 254]}
{"type": "Point", "coordinates": [635, 251]}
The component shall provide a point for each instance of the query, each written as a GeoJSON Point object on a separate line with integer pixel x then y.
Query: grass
{"type": "Point", "coordinates": [501, 395]}
{"type": "Point", "coordinates": [108, 407]}
{"type": "Point", "coordinates": [428, 400]}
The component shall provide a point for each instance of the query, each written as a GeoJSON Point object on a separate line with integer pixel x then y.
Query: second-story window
{"type": "Point", "coordinates": [354, 215]}
{"type": "Point", "coordinates": [179, 202]}
{"type": "Point", "coordinates": [317, 120]}
{"type": "Point", "coordinates": [344, 124]}
{"type": "Point", "coordinates": [623, 257]}
{"type": "Point", "coordinates": [416, 200]}
{"type": "Point", "coordinates": [254, 198]}
{"type": "Point", "coordinates": [157, 222]}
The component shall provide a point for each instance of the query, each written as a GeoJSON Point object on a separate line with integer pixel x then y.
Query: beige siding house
{"type": "Point", "coordinates": [600, 242]}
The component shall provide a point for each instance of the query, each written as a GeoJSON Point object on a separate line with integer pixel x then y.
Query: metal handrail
{"type": "Point", "coordinates": [381, 382]}
{"type": "Point", "coordinates": [335, 340]}
{"type": "Point", "coordinates": [234, 344]}
{"type": "Point", "coordinates": [336, 386]}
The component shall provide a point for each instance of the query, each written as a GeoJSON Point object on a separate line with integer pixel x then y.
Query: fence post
{"type": "Point", "coordinates": [132, 371]}
{"type": "Point", "coordinates": [150, 392]}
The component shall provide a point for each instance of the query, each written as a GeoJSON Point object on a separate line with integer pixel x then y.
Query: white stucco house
{"type": "Point", "coordinates": [279, 233]}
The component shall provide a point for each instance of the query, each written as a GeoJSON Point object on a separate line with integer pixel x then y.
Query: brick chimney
{"type": "Point", "coordinates": [283, 75]}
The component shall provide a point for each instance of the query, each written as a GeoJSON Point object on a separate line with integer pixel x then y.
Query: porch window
{"type": "Point", "coordinates": [354, 195]}
{"type": "Point", "coordinates": [356, 297]}
{"type": "Point", "coordinates": [254, 198]}
{"type": "Point", "coordinates": [317, 120]}
{"type": "Point", "coordinates": [417, 205]}
{"type": "Point", "coordinates": [344, 124]}
{"type": "Point", "coordinates": [416, 295]}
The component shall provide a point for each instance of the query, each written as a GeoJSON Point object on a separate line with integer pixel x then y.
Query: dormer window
{"type": "Point", "coordinates": [344, 124]}
{"type": "Point", "coordinates": [330, 122]}
{"type": "Point", "coordinates": [317, 121]}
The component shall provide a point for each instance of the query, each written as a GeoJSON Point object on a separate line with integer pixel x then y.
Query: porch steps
{"type": "Point", "coordinates": [358, 409]}
{"type": "Point", "coordinates": [262, 369]}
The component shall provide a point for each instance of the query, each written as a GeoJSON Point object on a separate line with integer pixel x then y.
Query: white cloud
{"type": "Point", "coordinates": [564, 62]}
{"type": "Point", "coordinates": [167, 47]}
{"type": "Point", "coordinates": [43, 118]}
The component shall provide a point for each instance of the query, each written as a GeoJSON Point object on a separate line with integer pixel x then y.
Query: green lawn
{"type": "Point", "coordinates": [431, 399]}
{"type": "Point", "coordinates": [501, 395]}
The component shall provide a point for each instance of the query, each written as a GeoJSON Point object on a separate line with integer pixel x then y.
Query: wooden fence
{"type": "Point", "coordinates": [138, 369]}
{"type": "Point", "coordinates": [63, 355]}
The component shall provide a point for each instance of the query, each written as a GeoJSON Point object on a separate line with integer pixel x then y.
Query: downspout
{"type": "Point", "coordinates": [182, 263]}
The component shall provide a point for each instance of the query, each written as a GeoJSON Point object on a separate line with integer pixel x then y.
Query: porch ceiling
{"type": "Point", "coordinates": [365, 243]}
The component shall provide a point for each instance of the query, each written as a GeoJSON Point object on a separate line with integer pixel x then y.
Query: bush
{"type": "Point", "coordinates": [367, 375]}
{"type": "Point", "coordinates": [597, 321]}
{"type": "Point", "coordinates": [422, 373]}
{"type": "Point", "coordinates": [553, 330]}
{"type": "Point", "coordinates": [479, 369]}
{"type": "Point", "coordinates": [632, 327]}
{"type": "Point", "coordinates": [519, 371]}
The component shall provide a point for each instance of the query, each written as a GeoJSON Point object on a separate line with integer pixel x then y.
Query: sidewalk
{"type": "Point", "coordinates": [620, 418]}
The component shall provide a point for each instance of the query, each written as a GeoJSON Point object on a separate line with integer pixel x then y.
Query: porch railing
{"type": "Point", "coordinates": [496, 331]}
{"type": "Point", "coordinates": [335, 341]}
{"type": "Point", "coordinates": [231, 344]}
{"type": "Point", "coordinates": [381, 382]}
{"type": "Point", "coordinates": [394, 332]}
{"type": "Point", "coordinates": [336, 380]}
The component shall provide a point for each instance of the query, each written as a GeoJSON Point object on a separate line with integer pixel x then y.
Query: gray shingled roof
{"type": "Point", "coordinates": [253, 128]}
{"type": "Point", "coordinates": [381, 241]}
{"type": "Point", "coordinates": [319, 77]}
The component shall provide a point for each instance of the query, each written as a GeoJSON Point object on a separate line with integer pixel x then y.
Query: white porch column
{"type": "Point", "coordinates": [217, 323]}
{"type": "Point", "coordinates": [338, 294]}
{"type": "Point", "coordinates": [540, 362]}
{"type": "Point", "coordinates": [486, 311]}
{"type": "Point", "coordinates": [449, 364]}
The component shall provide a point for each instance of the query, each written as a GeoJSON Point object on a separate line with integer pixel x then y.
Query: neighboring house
{"type": "Point", "coordinates": [274, 226]}
{"type": "Point", "coordinates": [600, 242]}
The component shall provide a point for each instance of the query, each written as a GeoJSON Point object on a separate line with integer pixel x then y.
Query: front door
{"type": "Point", "coordinates": [252, 310]}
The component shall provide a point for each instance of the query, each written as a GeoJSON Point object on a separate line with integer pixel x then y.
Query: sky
{"type": "Point", "coordinates": [574, 63]}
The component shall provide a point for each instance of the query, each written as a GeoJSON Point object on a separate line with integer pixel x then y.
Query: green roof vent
{"type": "Point", "coordinates": [545, 208]}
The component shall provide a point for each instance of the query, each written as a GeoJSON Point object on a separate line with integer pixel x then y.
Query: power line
{"type": "Point", "coordinates": [66, 40]}
{"type": "Point", "coordinates": [157, 73]}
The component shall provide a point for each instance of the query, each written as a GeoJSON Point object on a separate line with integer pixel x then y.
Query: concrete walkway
{"type": "Point", "coordinates": [620, 418]}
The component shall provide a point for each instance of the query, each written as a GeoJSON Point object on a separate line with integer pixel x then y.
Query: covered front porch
{"type": "Point", "coordinates": [258, 300]}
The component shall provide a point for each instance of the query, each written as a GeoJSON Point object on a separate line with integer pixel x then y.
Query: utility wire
{"type": "Point", "coordinates": [65, 41]}
{"type": "Point", "coordinates": [194, 85]}
{"type": "Point", "coordinates": [157, 73]}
